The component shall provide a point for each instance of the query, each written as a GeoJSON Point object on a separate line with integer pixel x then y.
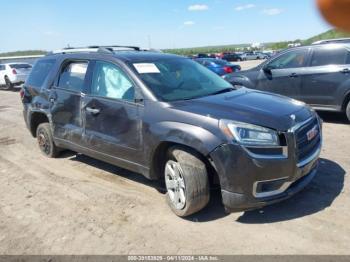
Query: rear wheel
{"type": "Point", "coordinates": [8, 84]}
{"type": "Point", "coordinates": [186, 181]}
{"type": "Point", "coordinates": [45, 141]}
{"type": "Point", "coordinates": [348, 111]}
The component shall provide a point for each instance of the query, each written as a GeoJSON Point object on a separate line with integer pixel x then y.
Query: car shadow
{"type": "Point", "coordinates": [318, 195]}
{"type": "Point", "coordinates": [333, 117]}
{"type": "Point", "coordinates": [112, 169]}
{"type": "Point", "coordinates": [214, 209]}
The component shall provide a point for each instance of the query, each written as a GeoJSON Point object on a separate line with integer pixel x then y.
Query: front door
{"type": "Point", "coordinates": [283, 74]}
{"type": "Point", "coordinates": [112, 122]}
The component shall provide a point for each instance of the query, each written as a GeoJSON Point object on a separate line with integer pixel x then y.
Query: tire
{"type": "Point", "coordinates": [45, 141]}
{"type": "Point", "coordinates": [186, 181]}
{"type": "Point", "coordinates": [8, 84]}
{"type": "Point", "coordinates": [347, 111]}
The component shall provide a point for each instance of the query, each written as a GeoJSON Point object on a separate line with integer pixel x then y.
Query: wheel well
{"type": "Point", "coordinates": [36, 120]}
{"type": "Point", "coordinates": [346, 101]}
{"type": "Point", "coordinates": [159, 157]}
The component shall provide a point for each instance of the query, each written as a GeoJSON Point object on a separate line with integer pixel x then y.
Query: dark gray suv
{"type": "Point", "coordinates": [172, 119]}
{"type": "Point", "coordinates": [318, 75]}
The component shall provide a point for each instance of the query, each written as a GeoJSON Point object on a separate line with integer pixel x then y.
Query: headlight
{"type": "Point", "coordinates": [248, 134]}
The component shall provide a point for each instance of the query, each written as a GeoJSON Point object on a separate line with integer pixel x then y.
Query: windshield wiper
{"type": "Point", "coordinates": [225, 90]}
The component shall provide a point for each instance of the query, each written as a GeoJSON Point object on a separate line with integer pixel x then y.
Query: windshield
{"type": "Point", "coordinates": [179, 79]}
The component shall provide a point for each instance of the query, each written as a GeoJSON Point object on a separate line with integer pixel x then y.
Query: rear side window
{"type": "Point", "coordinates": [72, 76]}
{"type": "Point", "coordinates": [326, 56]}
{"type": "Point", "coordinates": [40, 72]}
{"type": "Point", "coordinates": [2, 67]}
{"type": "Point", "coordinates": [21, 66]}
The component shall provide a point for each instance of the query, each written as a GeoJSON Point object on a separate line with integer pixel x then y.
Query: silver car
{"type": "Point", "coordinates": [14, 74]}
{"type": "Point", "coordinates": [254, 56]}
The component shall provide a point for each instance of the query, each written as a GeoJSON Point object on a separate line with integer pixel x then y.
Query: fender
{"type": "Point", "coordinates": [201, 140]}
{"type": "Point", "coordinates": [37, 106]}
{"type": "Point", "coordinates": [196, 137]}
{"type": "Point", "coordinates": [343, 95]}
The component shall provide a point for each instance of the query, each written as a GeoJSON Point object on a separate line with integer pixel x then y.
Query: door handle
{"type": "Point", "coordinates": [93, 111]}
{"type": "Point", "coordinates": [292, 75]}
{"type": "Point", "coordinates": [345, 71]}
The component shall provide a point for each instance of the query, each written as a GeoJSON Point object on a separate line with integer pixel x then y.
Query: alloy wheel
{"type": "Point", "coordinates": [175, 184]}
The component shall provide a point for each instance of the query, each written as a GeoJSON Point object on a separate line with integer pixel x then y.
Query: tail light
{"type": "Point", "coordinates": [21, 93]}
{"type": "Point", "coordinates": [228, 69]}
{"type": "Point", "coordinates": [14, 71]}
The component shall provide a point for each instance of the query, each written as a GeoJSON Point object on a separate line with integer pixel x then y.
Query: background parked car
{"type": "Point", "coordinates": [219, 66]}
{"type": "Point", "coordinates": [232, 57]}
{"type": "Point", "coordinates": [254, 56]}
{"type": "Point", "coordinates": [13, 74]}
{"type": "Point", "coordinates": [317, 74]}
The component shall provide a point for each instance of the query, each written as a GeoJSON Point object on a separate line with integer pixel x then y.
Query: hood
{"type": "Point", "coordinates": [250, 106]}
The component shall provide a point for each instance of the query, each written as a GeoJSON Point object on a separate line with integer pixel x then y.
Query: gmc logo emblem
{"type": "Point", "coordinates": [312, 133]}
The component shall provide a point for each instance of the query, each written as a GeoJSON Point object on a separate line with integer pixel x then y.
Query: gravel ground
{"type": "Point", "coordinates": [78, 205]}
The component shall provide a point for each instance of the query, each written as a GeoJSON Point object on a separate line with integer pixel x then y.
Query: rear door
{"type": "Point", "coordinates": [66, 98]}
{"type": "Point", "coordinates": [284, 73]}
{"type": "Point", "coordinates": [328, 70]}
{"type": "Point", "coordinates": [112, 121]}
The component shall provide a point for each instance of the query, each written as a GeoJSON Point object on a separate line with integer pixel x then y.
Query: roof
{"type": "Point", "coordinates": [139, 56]}
{"type": "Point", "coordinates": [125, 56]}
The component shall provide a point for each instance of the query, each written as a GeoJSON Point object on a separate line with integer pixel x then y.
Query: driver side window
{"type": "Point", "coordinates": [110, 81]}
{"type": "Point", "coordinates": [293, 59]}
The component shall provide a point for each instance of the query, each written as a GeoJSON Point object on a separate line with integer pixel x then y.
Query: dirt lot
{"type": "Point", "coordinates": [77, 205]}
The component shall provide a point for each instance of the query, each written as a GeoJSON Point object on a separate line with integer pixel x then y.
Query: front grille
{"type": "Point", "coordinates": [305, 146]}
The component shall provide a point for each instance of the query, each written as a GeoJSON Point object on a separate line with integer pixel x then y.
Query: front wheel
{"type": "Point", "coordinates": [186, 181]}
{"type": "Point", "coordinates": [348, 111]}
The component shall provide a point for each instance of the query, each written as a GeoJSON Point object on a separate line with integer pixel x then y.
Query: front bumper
{"type": "Point", "coordinates": [249, 181]}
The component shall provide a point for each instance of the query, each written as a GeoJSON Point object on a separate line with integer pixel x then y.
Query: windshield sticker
{"type": "Point", "coordinates": [146, 68]}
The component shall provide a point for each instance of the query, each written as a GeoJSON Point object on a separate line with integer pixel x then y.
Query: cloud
{"type": "Point", "coordinates": [244, 7]}
{"type": "Point", "coordinates": [272, 11]}
{"type": "Point", "coordinates": [189, 23]}
{"type": "Point", "coordinates": [198, 8]}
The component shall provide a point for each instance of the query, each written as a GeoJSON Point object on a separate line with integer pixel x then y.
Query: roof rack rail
{"type": "Point", "coordinates": [115, 46]}
{"type": "Point", "coordinates": [94, 48]}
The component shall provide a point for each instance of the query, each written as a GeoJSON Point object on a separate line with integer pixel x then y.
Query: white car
{"type": "Point", "coordinates": [254, 56]}
{"type": "Point", "coordinates": [14, 74]}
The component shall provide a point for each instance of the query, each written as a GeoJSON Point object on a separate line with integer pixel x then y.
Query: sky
{"type": "Point", "coordinates": [48, 25]}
